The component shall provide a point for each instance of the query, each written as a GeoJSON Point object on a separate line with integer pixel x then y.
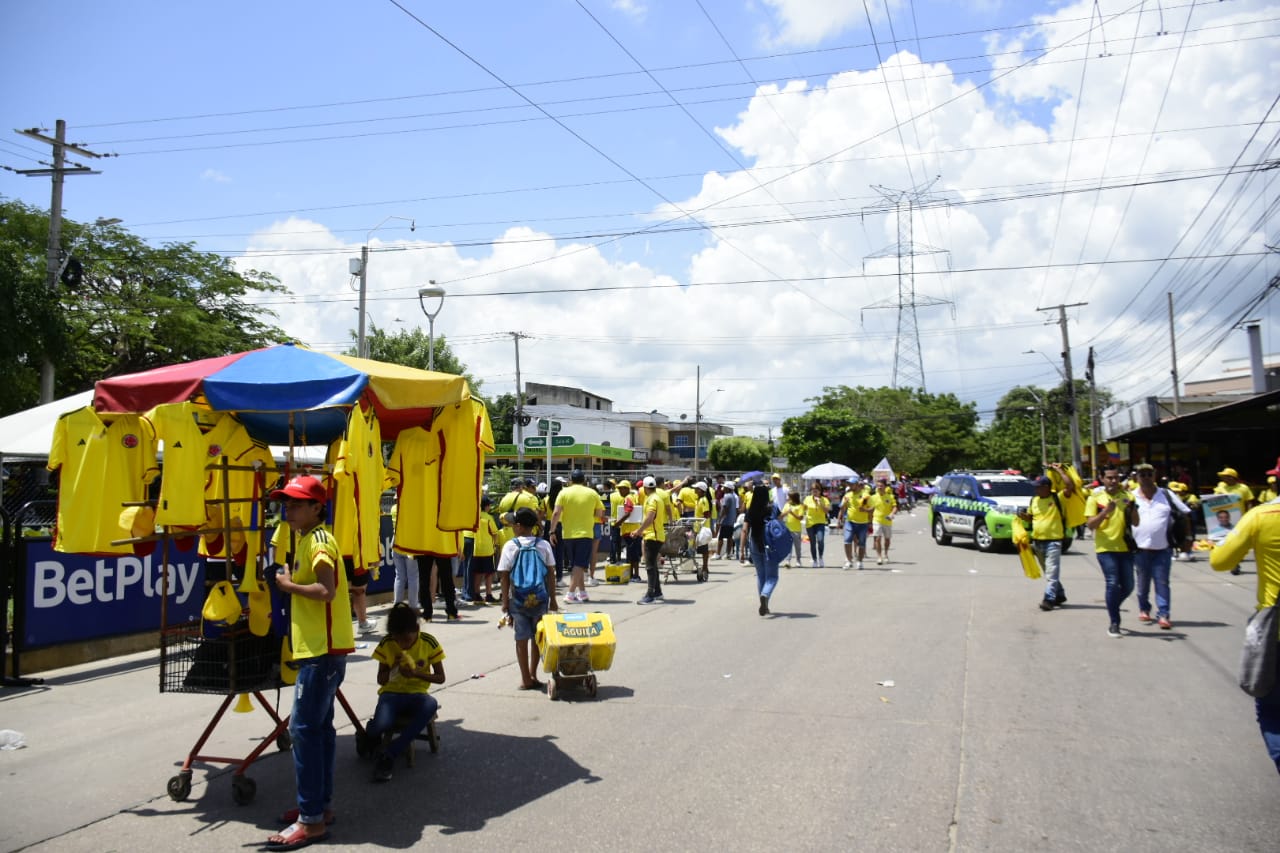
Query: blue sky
{"type": "Point", "coordinates": [288, 134]}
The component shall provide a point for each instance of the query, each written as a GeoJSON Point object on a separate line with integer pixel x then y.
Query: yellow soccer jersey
{"type": "Point", "coordinates": [425, 651]}
{"type": "Point", "coordinates": [1109, 536]}
{"type": "Point", "coordinates": [185, 456]}
{"type": "Point", "coordinates": [358, 472]}
{"type": "Point", "coordinates": [815, 511]}
{"type": "Point", "coordinates": [657, 502]}
{"type": "Point", "coordinates": [688, 498]}
{"type": "Point", "coordinates": [228, 438]}
{"type": "Point", "coordinates": [857, 506]}
{"type": "Point", "coordinates": [414, 470]}
{"type": "Point", "coordinates": [579, 508]}
{"type": "Point", "coordinates": [1046, 520]}
{"type": "Point", "coordinates": [320, 627]}
{"type": "Point", "coordinates": [465, 437]}
{"type": "Point", "coordinates": [102, 466]}
{"type": "Point", "coordinates": [1240, 490]}
{"type": "Point", "coordinates": [486, 535]}
{"type": "Point", "coordinates": [793, 516]}
{"type": "Point", "coordinates": [882, 507]}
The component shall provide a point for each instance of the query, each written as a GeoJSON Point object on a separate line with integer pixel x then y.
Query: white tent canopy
{"type": "Point", "coordinates": [883, 469]}
{"type": "Point", "coordinates": [29, 434]}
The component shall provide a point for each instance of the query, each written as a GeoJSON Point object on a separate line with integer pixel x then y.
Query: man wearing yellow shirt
{"type": "Point", "coordinates": [321, 636]}
{"type": "Point", "coordinates": [1230, 485]}
{"type": "Point", "coordinates": [1107, 515]}
{"type": "Point", "coordinates": [1259, 529]}
{"type": "Point", "coordinates": [577, 510]}
{"type": "Point", "coordinates": [883, 508]}
{"type": "Point", "coordinates": [652, 533]}
{"type": "Point", "coordinates": [855, 509]}
{"type": "Point", "coordinates": [1048, 528]}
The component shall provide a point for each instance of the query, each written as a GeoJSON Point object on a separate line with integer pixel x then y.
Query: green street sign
{"type": "Point", "coordinates": [535, 442]}
{"type": "Point", "coordinates": [545, 426]}
{"type": "Point", "coordinates": [563, 441]}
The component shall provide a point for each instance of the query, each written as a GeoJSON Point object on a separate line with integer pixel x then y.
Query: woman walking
{"type": "Point", "coordinates": [817, 507]}
{"type": "Point", "coordinates": [766, 569]}
{"type": "Point", "coordinates": [793, 518]}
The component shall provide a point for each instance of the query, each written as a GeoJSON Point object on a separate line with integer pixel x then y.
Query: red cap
{"type": "Point", "coordinates": [1275, 472]}
{"type": "Point", "coordinates": [303, 488]}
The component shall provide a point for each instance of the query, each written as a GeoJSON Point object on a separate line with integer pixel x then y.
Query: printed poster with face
{"type": "Point", "coordinates": [1221, 514]}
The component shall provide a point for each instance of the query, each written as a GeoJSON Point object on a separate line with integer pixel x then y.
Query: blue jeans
{"type": "Point", "coordinates": [468, 582]}
{"type": "Point", "coordinates": [1049, 553]}
{"type": "Point", "coordinates": [817, 541]}
{"type": "Point", "coordinates": [1117, 568]}
{"type": "Point", "coordinates": [405, 587]}
{"type": "Point", "coordinates": [417, 708]}
{"type": "Point", "coordinates": [314, 738]}
{"type": "Point", "coordinates": [1149, 566]}
{"type": "Point", "coordinates": [1269, 720]}
{"type": "Point", "coordinates": [766, 571]}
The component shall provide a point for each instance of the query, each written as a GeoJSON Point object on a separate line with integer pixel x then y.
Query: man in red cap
{"type": "Point", "coordinates": [321, 637]}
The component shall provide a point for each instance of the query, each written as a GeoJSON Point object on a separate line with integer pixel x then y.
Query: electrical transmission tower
{"type": "Point", "coordinates": [908, 364]}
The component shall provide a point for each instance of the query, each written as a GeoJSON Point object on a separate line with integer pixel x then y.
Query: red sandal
{"type": "Point", "coordinates": [294, 837]}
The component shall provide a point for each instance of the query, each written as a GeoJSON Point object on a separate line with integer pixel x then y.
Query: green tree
{"type": "Point", "coordinates": [925, 432]}
{"type": "Point", "coordinates": [1013, 438]}
{"type": "Point", "coordinates": [831, 434]}
{"type": "Point", "coordinates": [412, 348]}
{"type": "Point", "coordinates": [738, 453]}
{"type": "Point", "coordinates": [502, 417]}
{"type": "Point", "coordinates": [135, 307]}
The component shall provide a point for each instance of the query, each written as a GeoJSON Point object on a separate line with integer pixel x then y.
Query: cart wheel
{"type": "Point", "coordinates": [551, 690]}
{"type": "Point", "coordinates": [363, 747]}
{"type": "Point", "coordinates": [591, 686]}
{"type": "Point", "coordinates": [179, 786]}
{"type": "Point", "coordinates": [242, 790]}
{"type": "Point", "coordinates": [284, 742]}
{"type": "Point", "coordinates": [433, 739]}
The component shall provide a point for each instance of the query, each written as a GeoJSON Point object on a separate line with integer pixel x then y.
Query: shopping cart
{"type": "Point", "coordinates": [679, 547]}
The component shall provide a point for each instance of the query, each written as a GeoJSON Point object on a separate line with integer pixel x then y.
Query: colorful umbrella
{"type": "Point", "coordinates": [289, 392]}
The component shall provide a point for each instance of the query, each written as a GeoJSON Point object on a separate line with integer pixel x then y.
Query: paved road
{"type": "Point", "coordinates": [1005, 729]}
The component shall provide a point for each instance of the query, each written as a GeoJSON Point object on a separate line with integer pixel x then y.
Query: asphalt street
{"type": "Point", "coordinates": [927, 705]}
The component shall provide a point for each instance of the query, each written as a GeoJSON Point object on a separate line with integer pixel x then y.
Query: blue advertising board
{"type": "Point", "coordinates": [76, 597]}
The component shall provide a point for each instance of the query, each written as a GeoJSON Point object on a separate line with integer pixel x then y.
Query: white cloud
{"type": "Point", "coordinates": [641, 346]}
{"type": "Point", "coordinates": [635, 9]}
{"type": "Point", "coordinates": [809, 22]}
{"type": "Point", "coordinates": [215, 176]}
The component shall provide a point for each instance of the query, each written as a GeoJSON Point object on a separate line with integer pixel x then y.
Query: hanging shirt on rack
{"type": "Point", "coordinates": [358, 473]}
{"type": "Point", "coordinates": [102, 466]}
{"type": "Point", "coordinates": [185, 457]}
{"type": "Point", "coordinates": [465, 436]}
{"type": "Point", "coordinates": [245, 488]}
{"type": "Point", "coordinates": [414, 472]}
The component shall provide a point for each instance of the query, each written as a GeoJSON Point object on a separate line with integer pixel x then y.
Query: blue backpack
{"type": "Point", "coordinates": [777, 540]}
{"type": "Point", "coordinates": [528, 575]}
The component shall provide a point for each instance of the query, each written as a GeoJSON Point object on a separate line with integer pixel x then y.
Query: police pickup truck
{"type": "Point", "coordinates": [982, 505]}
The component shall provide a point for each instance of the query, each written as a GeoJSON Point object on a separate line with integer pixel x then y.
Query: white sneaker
{"type": "Point", "coordinates": [848, 564]}
{"type": "Point", "coordinates": [367, 627]}
{"type": "Point", "coordinates": [592, 582]}
{"type": "Point", "coordinates": [822, 564]}
{"type": "Point", "coordinates": [859, 564]}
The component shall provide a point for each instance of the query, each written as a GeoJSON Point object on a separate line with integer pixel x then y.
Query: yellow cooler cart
{"type": "Point", "coordinates": [573, 646]}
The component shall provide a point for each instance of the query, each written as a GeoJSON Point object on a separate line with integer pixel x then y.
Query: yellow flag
{"type": "Point", "coordinates": [1022, 541]}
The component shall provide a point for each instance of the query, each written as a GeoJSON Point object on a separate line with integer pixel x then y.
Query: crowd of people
{"type": "Point", "coordinates": [1139, 524]}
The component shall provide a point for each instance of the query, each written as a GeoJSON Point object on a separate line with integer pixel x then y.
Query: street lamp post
{"type": "Point", "coordinates": [432, 291]}
{"type": "Point", "coordinates": [362, 348]}
{"type": "Point", "coordinates": [1039, 407]}
{"type": "Point", "coordinates": [1070, 387]}
{"type": "Point", "coordinates": [698, 400]}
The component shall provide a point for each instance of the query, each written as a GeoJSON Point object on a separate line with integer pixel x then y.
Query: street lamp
{"type": "Point", "coordinates": [432, 291]}
{"type": "Point", "coordinates": [361, 268]}
{"type": "Point", "coordinates": [1074, 421]}
{"type": "Point", "coordinates": [1039, 407]}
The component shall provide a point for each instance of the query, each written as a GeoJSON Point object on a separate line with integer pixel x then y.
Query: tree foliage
{"type": "Point", "coordinates": [831, 434]}
{"type": "Point", "coordinates": [412, 348]}
{"type": "Point", "coordinates": [922, 432]}
{"type": "Point", "coordinates": [738, 453]}
{"type": "Point", "coordinates": [1013, 438]}
{"type": "Point", "coordinates": [502, 414]}
{"type": "Point", "coordinates": [136, 306]}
